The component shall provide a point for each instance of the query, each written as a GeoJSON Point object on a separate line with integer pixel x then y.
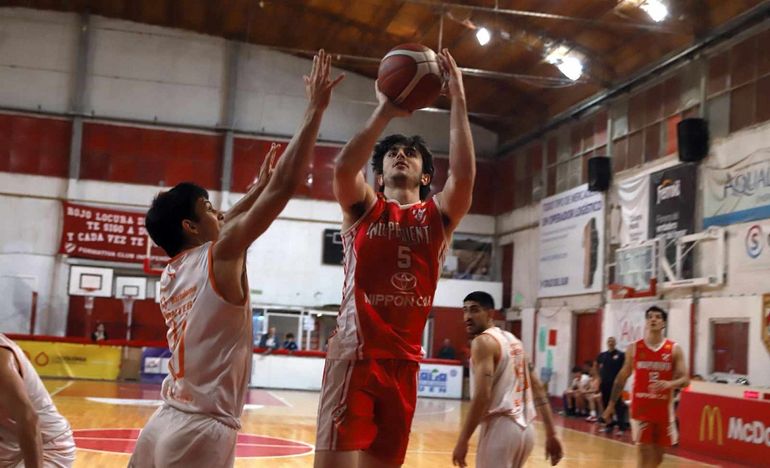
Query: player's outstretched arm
{"type": "Point", "coordinates": [483, 357]}
{"type": "Point", "coordinates": [455, 200]}
{"type": "Point", "coordinates": [15, 403]}
{"type": "Point", "coordinates": [257, 187]}
{"type": "Point", "coordinates": [620, 383]}
{"type": "Point", "coordinates": [289, 172]}
{"type": "Point", "coordinates": [553, 449]}
{"type": "Point", "coordinates": [350, 188]}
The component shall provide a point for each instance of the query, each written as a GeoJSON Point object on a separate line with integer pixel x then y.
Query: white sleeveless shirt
{"type": "Point", "coordinates": [210, 340]}
{"type": "Point", "coordinates": [511, 384]}
{"type": "Point", "coordinates": [51, 423]}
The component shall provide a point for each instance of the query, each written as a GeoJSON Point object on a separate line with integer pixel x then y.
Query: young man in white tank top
{"type": "Point", "coordinates": [32, 432]}
{"type": "Point", "coordinates": [205, 298]}
{"type": "Point", "coordinates": [505, 395]}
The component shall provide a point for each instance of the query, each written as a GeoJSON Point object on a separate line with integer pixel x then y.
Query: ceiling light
{"type": "Point", "coordinates": [656, 9]}
{"type": "Point", "coordinates": [483, 36]}
{"type": "Point", "coordinates": [567, 61]}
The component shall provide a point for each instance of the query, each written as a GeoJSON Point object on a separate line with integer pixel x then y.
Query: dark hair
{"type": "Point", "coordinates": [164, 218]}
{"type": "Point", "coordinates": [289, 335]}
{"type": "Point", "coordinates": [656, 309]}
{"type": "Point", "coordinates": [415, 141]}
{"type": "Point", "coordinates": [577, 369]}
{"type": "Point", "coordinates": [484, 299]}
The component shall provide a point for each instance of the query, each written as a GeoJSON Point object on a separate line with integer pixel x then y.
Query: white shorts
{"type": "Point", "coordinates": [58, 452]}
{"type": "Point", "coordinates": [503, 443]}
{"type": "Point", "coordinates": [173, 438]}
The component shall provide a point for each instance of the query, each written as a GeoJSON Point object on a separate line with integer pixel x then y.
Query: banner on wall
{"type": "Point", "coordinates": [766, 321]}
{"type": "Point", "coordinates": [626, 320]}
{"type": "Point", "coordinates": [737, 192]}
{"type": "Point", "coordinates": [440, 381]}
{"type": "Point", "coordinates": [105, 234]}
{"type": "Point", "coordinates": [672, 208]}
{"type": "Point", "coordinates": [634, 197]}
{"type": "Point", "coordinates": [571, 243]}
{"type": "Point", "coordinates": [74, 361]}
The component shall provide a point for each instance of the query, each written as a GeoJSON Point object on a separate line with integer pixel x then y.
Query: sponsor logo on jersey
{"type": "Point", "coordinates": [419, 214]}
{"type": "Point", "coordinates": [403, 281]}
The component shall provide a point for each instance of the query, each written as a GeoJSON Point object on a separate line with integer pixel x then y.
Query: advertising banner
{"type": "Point", "coordinates": [105, 234]}
{"type": "Point", "coordinates": [74, 361]}
{"type": "Point", "coordinates": [634, 198]}
{"type": "Point", "coordinates": [737, 192]}
{"type": "Point", "coordinates": [672, 207]}
{"type": "Point", "coordinates": [724, 427]}
{"type": "Point", "coordinates": [571, 243]}
{"type": "Point", "coordinates": [440, 381]}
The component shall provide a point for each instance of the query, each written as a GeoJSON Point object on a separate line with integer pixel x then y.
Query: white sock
{"type": "Point", "coordinates": [593, 413]}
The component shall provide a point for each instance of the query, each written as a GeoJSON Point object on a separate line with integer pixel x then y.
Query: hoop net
{"type": "Point", "coordinates": [128, 304]}
{"type": "Point", "coordinates": [89, 299]}
{"type": "Point", "coordinates": [621, 291]}
{"type": "Point", "coordinates": [149, 267]}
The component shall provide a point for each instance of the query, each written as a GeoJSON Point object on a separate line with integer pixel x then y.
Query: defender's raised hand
{"type": "Point", "coordinates": [319, 85]}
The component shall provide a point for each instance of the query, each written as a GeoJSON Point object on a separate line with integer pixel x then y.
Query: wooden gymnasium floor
{"type": "Point", "coordinates": [279, 429]}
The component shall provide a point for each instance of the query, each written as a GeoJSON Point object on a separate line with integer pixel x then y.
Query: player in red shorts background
{"type": "Point", "coordinates": [659, 368]}
{"type": "Point", "coordinates": [394, 242]}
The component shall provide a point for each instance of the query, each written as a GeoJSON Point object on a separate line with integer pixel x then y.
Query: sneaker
{"type": "Point", "coordinates": [591, 419]}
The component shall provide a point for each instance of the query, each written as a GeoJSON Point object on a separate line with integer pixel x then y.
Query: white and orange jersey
{"type": "Point", "coordinates": [393, 259]}
{"type": "Point", "coordinates": [210, 340]}
{"type": "Point", "coordinates": [52, 424]}
{"type": "Point", "coordinates": [511, 384]}
{"type": "Point", "coordinates": [651, 365]}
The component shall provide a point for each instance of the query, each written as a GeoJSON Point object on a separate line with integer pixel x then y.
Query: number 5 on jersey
{"type": "Point", "coordinates": [404, 257]}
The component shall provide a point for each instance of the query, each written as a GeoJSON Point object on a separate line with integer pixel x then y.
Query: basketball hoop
{"type": "Point", "coordinates": [149, 268]}
{"type": "Point", "coordinates": [89, 299]}
{"type": "Point", "coordinates": [128, 304]}
{"type": "Point", "coordinates": [620, 291]}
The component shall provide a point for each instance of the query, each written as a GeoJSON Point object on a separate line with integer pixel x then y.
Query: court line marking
{"type": "Point", "coordinates": [281, 399]}
{"type": "Point", "coordinates": [632, 445]}
{"type": "Point", "coordinates": [63, 387]}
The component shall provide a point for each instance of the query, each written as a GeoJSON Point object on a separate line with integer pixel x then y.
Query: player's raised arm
{"type": "Point", "coordinates": [553, 448]}
{"type": "Point", "coordinates": [455, 199]}
{"type": "Point", "coordinates": [256, 188]}
{"type": "Point", "coordinates": [290, 171]}
{"type": "Point", "coordinates": [350, 188]}
{"type": "Point", "coordinates": [620, 382]}
{"type": "Point", "coordinates": [483, 357]}
{"type": "Point", "coordinates": [15, 403]}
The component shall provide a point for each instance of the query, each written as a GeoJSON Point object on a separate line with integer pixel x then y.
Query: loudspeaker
{"type": "Point", "coordinates": [599, 174]}
{"type": "Point", "coordinates": [693, 136]}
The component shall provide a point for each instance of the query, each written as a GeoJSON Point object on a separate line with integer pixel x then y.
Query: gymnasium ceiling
{"type": "Point", "coordinates": [511, 89]}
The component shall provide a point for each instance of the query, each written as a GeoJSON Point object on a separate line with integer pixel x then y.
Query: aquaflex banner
{"type": "Point", "coordinates": [571, 240]}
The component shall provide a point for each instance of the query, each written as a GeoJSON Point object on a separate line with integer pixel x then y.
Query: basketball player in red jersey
{"type": "Point", "coordinates": [394, 243]}
{"type": "Point", "coordinates": [659, 367]}
{"type": "Point", "coordinates": [205, 299]}
{"type": "Point", "coordinates": [505, 395]}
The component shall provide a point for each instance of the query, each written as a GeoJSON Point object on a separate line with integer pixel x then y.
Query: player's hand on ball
{"type": "Point", "coordinates": [453, 73]}
{"type": "Point", "coordinates": [387, 106]}
{"type": "Point", "coordinates": [319, 86]}
{"type": "Point", "coordinates": [553, 450]}
{"type": "Point", "coordinates": [459, 453]}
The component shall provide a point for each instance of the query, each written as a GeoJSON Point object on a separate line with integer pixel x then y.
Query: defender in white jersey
{"type": "Point", "coordinates": [205, 299]}
{"type": "Point", "coordinates": [32, 432]}
{"type": "Point", "coordinates": [504, 395]}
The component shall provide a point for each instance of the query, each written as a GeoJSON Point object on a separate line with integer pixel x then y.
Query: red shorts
{"type": "Point", "coordinates": [662, 433]}
{"type": "Point", "coordinates": [367, 405]}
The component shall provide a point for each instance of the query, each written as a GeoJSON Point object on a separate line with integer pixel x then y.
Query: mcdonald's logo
{"type": "Point", "coordinates": [711, 420]}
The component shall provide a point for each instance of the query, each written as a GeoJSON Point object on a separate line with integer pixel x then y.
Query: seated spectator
{"type": "Point", "coordinates": [270, 340]}
{"type": "Point", "coordinates": [99, 334]}
{"type": "Point", "coordinates": [447, 351]}
{"type": "Point", "coordinates": [289, 344]}
{"type": "Point", "coordinates": [570, 408]}
{"type": "Point", "coordinates": [593, 397]}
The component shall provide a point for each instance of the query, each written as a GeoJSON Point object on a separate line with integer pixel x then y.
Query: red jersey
{"type": "Point", "coordinates": [393, 259]}
{"type": "Point", "coordinates": [651, 365]}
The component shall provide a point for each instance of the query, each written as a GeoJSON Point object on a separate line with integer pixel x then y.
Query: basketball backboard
{"type": "Point", "coordinates": [636, 270]}
{"type": "Point", "coordinates": [90, 281]}
{"type": "Point", "coordinates": [131, 286]}
{"type": "Point", "coordinates": [705, 250]}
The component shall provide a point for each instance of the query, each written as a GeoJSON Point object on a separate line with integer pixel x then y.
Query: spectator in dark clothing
{"type": "Point", "coordinates": [289, 344]}
{"type": "Point", "coordinates": [447, 351]}
{"type": "Point", "coordinates": [270, 340]}
{"type": "Point", "coordinates": [100, 334]}
{"type": "Point", "coordinates": [608, 365]}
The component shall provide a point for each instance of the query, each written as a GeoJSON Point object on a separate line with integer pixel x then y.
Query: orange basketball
{"type": "Point", "coordinates": [410, 76]}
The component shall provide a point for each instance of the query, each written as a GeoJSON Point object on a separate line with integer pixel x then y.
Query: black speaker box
{"type": "Point", "coordinates": [693, 137]}
{"type": "Point", "coordinates": [599, 174]}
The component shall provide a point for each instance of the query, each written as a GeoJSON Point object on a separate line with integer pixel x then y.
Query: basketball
{"type": "Point", "coordinates": [410, 76]}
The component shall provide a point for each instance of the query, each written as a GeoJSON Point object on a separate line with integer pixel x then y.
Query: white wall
{"type": "Point", "coordinates": [745, 307]}
{"type": "Point", "coordinates": [151, 73]}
